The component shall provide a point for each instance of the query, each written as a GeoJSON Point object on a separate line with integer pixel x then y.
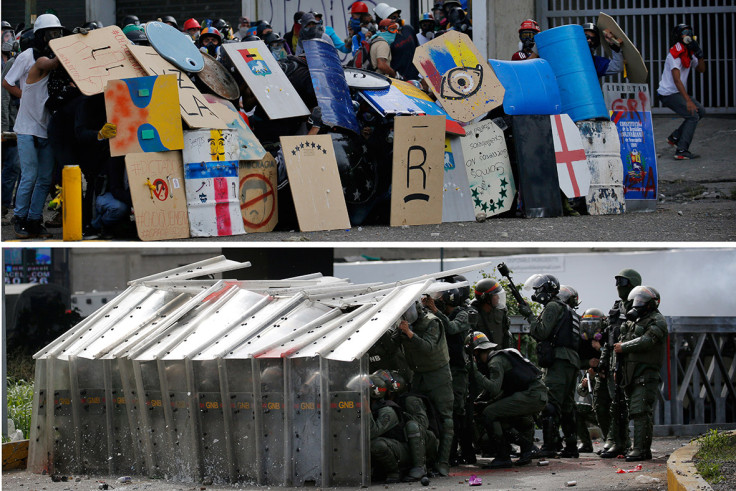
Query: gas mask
{"type": "Point", "coordinates": [312, 32]}
{"type": "Point", "coordinates": [278, 52]}
{"type": "Point", "coordinates": [636, 313]}
{"type": "Point", "coordinates": [541, 296]}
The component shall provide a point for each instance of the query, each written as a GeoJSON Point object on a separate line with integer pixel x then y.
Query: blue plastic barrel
{"type": "Point", "coordinates": [531, 86]}
{"type": "Point", "coordinates": [566, 50]}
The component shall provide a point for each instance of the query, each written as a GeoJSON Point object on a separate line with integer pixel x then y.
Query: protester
{"type": "Point", "coordinates": [312, 28]}
{"type": "Point", "coordinates": [404, 44]}
{"type": "Point", "coordinates": [684, 55]}
{"type": "Point", "coordinates": [209, 41]}
{"type": "Point", "coordinates": [292, 37]}
{"type": "Point", "coordinates": [528, 29]}
{"type": "Point", "coordinates": [426, 28]}
{"type": "Point", "coordinates": [243, 26]}
{"type": "Point", "coordinates": [337, 42]}
{"type": "Point", "coordinates": [604, 66]}
{"type": "Point", "coordinates": [10, 165]}
{"type": "Point", "coordinates": [381, 47]}
{"type": "Point", "coordinates": [192, 28]}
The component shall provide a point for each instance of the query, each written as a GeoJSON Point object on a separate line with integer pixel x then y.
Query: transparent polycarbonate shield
{"type": "Point", "coordinates": [346, 448]}
{"type": "Point", "coordinates": [179, 411]}
{"type": "Point", "coordinates": [154, 431]}
{"type": "Point", "coordinates": [211, 434]}
{"type": "Point", "coordinates": [65, 453]}
{"type": "Point", "coordinates": [270, 419]}
{"type": "Point", "coordinates": [124, 437]}
{"type": "Point", "coordinates": [240, 417]}
{"type": "Point", "coordinates": [90, 403]}
{"type": "Point", "coordinates": [304, 417]}
{"type": "Point", "coordinates": [39, 446]}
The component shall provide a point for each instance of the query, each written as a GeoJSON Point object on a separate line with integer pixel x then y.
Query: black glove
{"type": "Point", "coordinates": [80, 30]}
{"type": "Point", "coordinates": [695, 49]}
{"type": "Point", "coordinates": [525, 310]}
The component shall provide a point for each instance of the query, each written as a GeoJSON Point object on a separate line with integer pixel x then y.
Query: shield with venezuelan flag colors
{"type": "Point", "coordinates": [460, 78]}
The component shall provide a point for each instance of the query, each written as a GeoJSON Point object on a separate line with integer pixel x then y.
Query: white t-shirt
{"type": "Point", "coordinates": [18, 73]}
{"type": "Point", "coordinates": [33, 117]}
{"type": "Point", "coordinates": [667, 83]}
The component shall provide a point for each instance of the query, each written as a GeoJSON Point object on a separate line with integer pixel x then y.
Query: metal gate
{"type": "Point", "coordinates": [649, 23]}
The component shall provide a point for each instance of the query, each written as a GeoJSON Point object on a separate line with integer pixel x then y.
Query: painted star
{"type": "Point", "coordinates": [475, 192]}
{"type": "Point", "coordinates": [314, 144]}
{"type": "Point", "coordinates": [484, 206]}
{"type": "Point", "coordinates": [503, 193]}
{"type": "Point", "coordinates": [324, 152]}
{"type": "Point", "coordinates": [301, 145]}
{"type": "Point", "coordinates": [504, 182]}
{"type": "Point", "coordinates": [368, 185]}
{"type": "Point", "coordinates": [500, 204]}
{"type": "Point", "coordinates": [493, 206]}
{"type": "Point", "coordinates": [296, 148]}
{"type": "Point", "coordinates": [356, 194]}
{"type": "Point", "coordinates": [293, 152]}
{"type": "Point", "coordinates": [319, 147]}
{"type": "Point", "coordinates": [477, 202]}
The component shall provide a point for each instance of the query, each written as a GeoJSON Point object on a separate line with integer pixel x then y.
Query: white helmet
{"type": "Point", "coordinates": [383, 10]}
{"type": "Point", "coordinates": [45, 21]}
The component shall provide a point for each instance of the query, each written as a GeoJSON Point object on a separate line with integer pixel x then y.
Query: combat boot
{"type": "Point", "coordinates": [503, 458]}
{"type": "Point", "coordinates": [21, 229]}
{"type": "Point", "coordinates": [527, 451]}
{"type": "Point", "coordinates": [417, 453]}
{"type": "Point", "coordinates": [569, 429]}
{"type": "Point", "coordinates": [550, 436]}
{"type": "Point", "coordinates": [638, 451]}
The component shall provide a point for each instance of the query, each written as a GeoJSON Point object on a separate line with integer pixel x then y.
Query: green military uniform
{"type": "Point", "coordinates": [560, 378]}
{"type": "Point", "coordinates": [643, 345]}
{"type": "Point", "coordinates": [494, 324]}
{"type": "Point", "coordinates": [516, 393]}
{"type": "Point", "coordinates": [584, 416]}
{"type": "Point", "coordinates": [389, 451]}
{"type": "Point", "coordinates": [427, 355]}
{"type": "Point", "coordinates": [422, 441]}
{"type": "Point", "coordinates": [386, 355]}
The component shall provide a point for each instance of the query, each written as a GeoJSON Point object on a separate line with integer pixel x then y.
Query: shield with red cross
{"type": "Point", "coordinates": [572, 164]}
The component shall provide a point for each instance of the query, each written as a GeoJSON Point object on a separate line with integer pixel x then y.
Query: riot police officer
{"type": "Point", "coordinates": [557, 328]}
{"type": "Point", "coordinates": [642, 348]}
{"type": "Point", "coordinates": [389, 450]}
{"type": "Point", "coordinates": [425, 347]}
{"type": "Point", "coordinates": [493, 317]}
{"type": "Point", "coordinates": [514, 389]}
{"type": "Point", "coordinates": [592, 327]}
{"type": "Point", "coordinates": [617, 441]}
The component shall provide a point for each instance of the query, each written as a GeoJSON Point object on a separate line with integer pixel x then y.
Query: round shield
{"type": "Point", "coordinates": [218, 79]}
{"type": "Point", "coordinates": [174, 46]}
{"type": "Point", "coordinates": [365, 80]}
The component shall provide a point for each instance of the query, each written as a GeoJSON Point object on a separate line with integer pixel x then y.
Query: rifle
{"type": "Point", "coordinates": [504, 270]}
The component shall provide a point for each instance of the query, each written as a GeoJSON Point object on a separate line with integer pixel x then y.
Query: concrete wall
{"type": "Point", "coordinates": [502, 22]}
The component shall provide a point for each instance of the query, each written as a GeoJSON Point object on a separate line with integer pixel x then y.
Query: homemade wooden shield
{"type": "Point", "coordinates": [603, 150]}
{"type": "Point", "coordinates": [146, 112]}
{"type": "Point", "coordinates": [212, 184]}
{"type": "Point", "coordinates": [456, 203]}
{"type": "Point", "coordinates": [218, 78]}
{"type": "Point", "coordinates": [315, 183]}
{"type": "Point", "coordinates": [390, 101]}
{"type": "Point", "coordinates": [535, 152]}
{"type": "Point", "coordinates": [250, 147]}
{"type": "Point", "coordinates": [428, 106]}
{"type": "Point", "coordinates": [258, 196]}
{"type": "Point", "coordinates": [572, 164]}
{"type": "Point", "coordinates": [93, 59]}
{"type": "Point", "coordinates": [330, 86]}
{"type": "Point", "coordinates": [486, 160]}
{"type": "Point", "coordinates": [418, 170]}
{"type": "Point", "coordinates": [636, 70]}
{"type": "Point", "coordinates": [631, 112]}
{"type": "Point", "coordinates": [266, 79]}
{"type": "Point", "coordinates": [175, 46]}
{"type": "Point", "coordinates": [460, 78]}
{"type": "Point", "coordinates": [195, 110]}
{"type": "Point", "coordinates": [157, 190]}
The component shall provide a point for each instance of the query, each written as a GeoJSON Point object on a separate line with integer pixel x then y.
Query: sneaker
{"type": "Point", "coordinates": [90, 233]}
{"type": "Point", "coordinates": [672, 140]}
{"type": "Point", "coordinates": [56, 221]}
{"type": "Point", "coordinates": [36, 229]}
{"type": "Point", "coordinates": [21, 231]}
{"type": "Point", "coordinates": [685, 155]}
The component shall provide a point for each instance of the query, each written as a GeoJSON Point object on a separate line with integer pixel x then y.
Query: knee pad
{"type": "Point", "coordinates": [412, 429]}
{"type": "Point", "coordinates": [379, 447]}
{"type": "Point", "coordinates": [448, 424]}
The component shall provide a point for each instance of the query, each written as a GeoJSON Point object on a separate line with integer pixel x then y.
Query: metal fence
{"type": "Point", "coordinates": [648, 23]}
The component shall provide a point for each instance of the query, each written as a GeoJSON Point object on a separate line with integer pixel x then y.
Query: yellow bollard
{"type": "Point", "coordinates": [71, 199]}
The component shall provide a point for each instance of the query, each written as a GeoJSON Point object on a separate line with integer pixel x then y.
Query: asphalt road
{"type": "Point", "coordinates": [697, 202]}
{"type": "Point", "coordinates": [589, 472]}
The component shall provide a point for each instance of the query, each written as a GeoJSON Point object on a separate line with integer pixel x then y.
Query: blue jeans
{"type": "Point", "coordinates": [684, 134]}
{"type": "Point", "coordinates": [37, 168]}
{"type": "Point", "coordinates": [10, 173]}
{"type": "Point", "coordinates": [109, 211]}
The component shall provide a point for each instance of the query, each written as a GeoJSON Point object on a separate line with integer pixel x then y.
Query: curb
{"type": "Point", "coordinates": [681, 472]}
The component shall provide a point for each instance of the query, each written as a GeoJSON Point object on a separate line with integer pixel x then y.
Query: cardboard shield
{"type": "Point", "coordinates": [603, 150]}
{"type": "Point", "coordinates": [157, 190]}
{"type": "Point", "coordinates": [315, 183]}
{"type": "Point", "coordinates": [266, 79]}
{"type": "Point", "coordinates": [146, 112]}
{"type": "Point", "coordinates": [460, 78]}
{"type": "Point", "coordinates": [428, 106]}
{"type": "Point", "coordinates": [174, 46]}
{"type": "Point", "coordinates": [258, 195]}
{"type": "Point", "coordinates": [418, 170]}
{"type": "Point", "coordinates": [535, 153]}
{"type": "Point", "coordinates": [250, 147]}
{"type": "Point", "coordinates": [365, 80]}
{"type": "Point", "coordinates": [195, 110]}
{"type": "Point", "coordinates": [631, 112]}
{"type": "Point", "coordinates": [486, 160]}
{"type": "Point", "coordinates": [212, 183]}
{"type": "Point", "coordinates": [456, 203]}
{"type": "Point", "coordinates": [215, 76]}
{"type": "Point", "coordinates": [572, 164]}
{"type": "Point", "coordinates": [330, 86]}
{"type": "Point", "coordinates": [636, 70]}
{"type": "Point", "coordinates": [93, 59]}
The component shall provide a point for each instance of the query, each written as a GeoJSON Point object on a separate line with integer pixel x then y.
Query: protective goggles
{"type": "Point", "coordinates": [688, 32]}
{"type": "Point", "coordinates": [393, 28]}
{"type": "Point", "coordinates": [621, 281]}
{"type": "Point", "coordinates": [527, 35]}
